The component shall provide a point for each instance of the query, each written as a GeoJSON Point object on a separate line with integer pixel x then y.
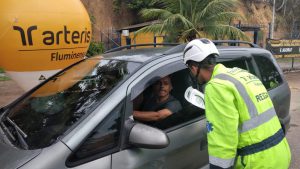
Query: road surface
{"type": "Point", "coordinates": [293, 134]}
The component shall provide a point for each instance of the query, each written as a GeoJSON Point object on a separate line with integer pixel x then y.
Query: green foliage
{"type": "Point", "coordinates": [137, 5]}
{"type": "Point", "coordinates": [4, 78]}
{"type": "Point", "coordinates": [92, 19]}
{"type": "Point", "coordinates": [117, 5]}
{"type": "Point", "coordinates": [95, 48]}
{"type": "Point", "coordinates": [185, 20]}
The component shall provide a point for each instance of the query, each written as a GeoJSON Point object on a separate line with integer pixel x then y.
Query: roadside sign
{"type": "Point", "coordinates": [284, 47]}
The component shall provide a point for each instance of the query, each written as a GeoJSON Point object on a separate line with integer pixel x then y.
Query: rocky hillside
{"type": "Point", "coordinates": [106, 18]}
{"type": "Point", "coordinates": [260, 12]}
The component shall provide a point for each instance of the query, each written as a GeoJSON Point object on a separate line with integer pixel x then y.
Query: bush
{"type": "Point", "coordinates": [137, 5]}
{"type": "Point", "coordinates": [95, 48]}
{"type": "Point", "coordinates": [3, 77]}
{"type": "Point", "coordinates": [117, 5]}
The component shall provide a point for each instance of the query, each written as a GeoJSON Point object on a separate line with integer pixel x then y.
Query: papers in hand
{"type": "Point", "coordinates": [195, 97]}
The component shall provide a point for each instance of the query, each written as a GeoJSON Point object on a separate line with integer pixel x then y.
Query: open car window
{"type": "Point", "coordinates": [180, 80]}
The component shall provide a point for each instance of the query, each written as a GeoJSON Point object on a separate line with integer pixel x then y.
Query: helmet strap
{"type": "Point", "coordinates": [195, 77]}
{"type": "Point", "coordinates": [198, 71]}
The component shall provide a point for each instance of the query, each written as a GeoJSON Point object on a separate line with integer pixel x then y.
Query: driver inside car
{"type": "Point", "coordinates": [159, 105]}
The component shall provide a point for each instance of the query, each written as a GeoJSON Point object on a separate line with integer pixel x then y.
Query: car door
{"type": "Point", "coordinates": [95, 151]}
{"type": "Point", "coordinates": [279, 91]}
{"type": "Point", "coordinates": [266, 69]}
{"type": "Point", "coordinates": [186, 131]}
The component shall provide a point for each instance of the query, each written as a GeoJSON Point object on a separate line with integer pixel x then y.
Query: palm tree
{"type": "Point", "coordinates": [184, 20]}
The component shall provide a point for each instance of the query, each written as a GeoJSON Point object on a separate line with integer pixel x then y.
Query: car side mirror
{"type": "Point", "coordinates": [144, 136]}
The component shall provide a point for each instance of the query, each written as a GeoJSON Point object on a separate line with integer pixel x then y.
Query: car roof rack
{"type": "Point", "coordinates": [234, 43]}
{"type": "Point", "coordinates": [138, 45]}
{"type": "Point", "coordinates": [181, 47]}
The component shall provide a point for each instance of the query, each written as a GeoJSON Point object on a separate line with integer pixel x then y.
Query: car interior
{"type": "Point", "coordinates": [180, 80]}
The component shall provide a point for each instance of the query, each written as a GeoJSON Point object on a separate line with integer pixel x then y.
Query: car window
{"type": "Point", "coordinates": [270, 77]}
{"type": "Point", "coordinates": [240, 63]}
{"type": "Point", "coordinates": [51, 109]}
{"type": "Point", "coordinates": [180, 80]}
{"type": "Point", "coordinates": [103, 140]}
{"type": "Point", "coordinates": [236, 63]}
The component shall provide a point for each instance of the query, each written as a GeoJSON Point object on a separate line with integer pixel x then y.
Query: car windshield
{"type": "Point", "coordinates": [51, 109]}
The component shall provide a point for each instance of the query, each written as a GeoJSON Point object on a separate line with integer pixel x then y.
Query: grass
{"type": "Point", "coordinates": [287, 60]}
{"type": "Point", "coordinates": [3, 78]}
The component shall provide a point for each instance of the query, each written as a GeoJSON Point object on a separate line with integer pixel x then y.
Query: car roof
{"type": "Point", "coordinates": [235, 52]}
{"type": "Point", "coordinates": [137, 55]}
{"type": "Point", "coordinates": [145, 54]}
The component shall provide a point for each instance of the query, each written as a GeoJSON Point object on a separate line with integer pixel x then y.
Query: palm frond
{"type": "Point", "coordinates": [155, 14]}
{"type": "Point", "coordinates": [178, 19]}
{"type": "Point", "coordinates": [225, 16]}
{"type": "Point", "coordinates": [154, 28]}
{"type": "Point", "coordinates": [216, 6]}
{"type": "Point", "coordinates": [187, 19]}
{"type": "Point", "coordinates": [185, 36]}
{"type": "Point", "coordinates": [223, 30]}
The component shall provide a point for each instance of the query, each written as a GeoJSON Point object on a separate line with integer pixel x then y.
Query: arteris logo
{"type": "Point", "coordinates": [50, 37]}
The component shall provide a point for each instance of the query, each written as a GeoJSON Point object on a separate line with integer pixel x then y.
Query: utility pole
{"type": "Point", "coordinates": [273, 20]}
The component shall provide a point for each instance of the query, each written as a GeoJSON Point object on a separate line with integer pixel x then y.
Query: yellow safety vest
{"type": "Point", "coordinates": [243, 128]}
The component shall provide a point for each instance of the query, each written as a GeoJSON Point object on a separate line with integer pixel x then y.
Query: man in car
{"type": "Point", "coordinates": [243, 128]}
{"type": "Point", "coordinates": [160, 105]}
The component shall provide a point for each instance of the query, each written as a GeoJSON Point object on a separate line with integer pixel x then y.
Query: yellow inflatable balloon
{"type": "Point", "coordinates": [40, 37]}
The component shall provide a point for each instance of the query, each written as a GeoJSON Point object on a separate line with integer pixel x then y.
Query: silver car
{"type": "Point", "coordinates": [82, 116]}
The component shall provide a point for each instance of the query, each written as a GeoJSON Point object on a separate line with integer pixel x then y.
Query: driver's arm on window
{"type": "Point", "coordinates": [151, 115]}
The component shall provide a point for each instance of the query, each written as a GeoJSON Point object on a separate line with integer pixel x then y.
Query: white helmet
{"type": "Point", "coordinates": [198, 49]}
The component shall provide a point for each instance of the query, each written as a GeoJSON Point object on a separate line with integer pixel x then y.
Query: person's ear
{"type": "Point", "coordinates": [194, 68]}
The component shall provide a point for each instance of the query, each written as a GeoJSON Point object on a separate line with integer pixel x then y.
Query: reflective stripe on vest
{"type": "Point", "coordinates": [255, 118]}
{"type": "Point", "coordinates": [258, 120]}
{"type": "Point", "coordinates": [224, 163]}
